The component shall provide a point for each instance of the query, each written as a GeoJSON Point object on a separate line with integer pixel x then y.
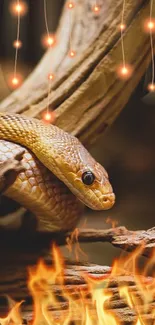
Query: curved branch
{"type": "Point", "coordinates": [86, 93]}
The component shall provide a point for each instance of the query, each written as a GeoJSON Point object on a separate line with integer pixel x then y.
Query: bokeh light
{"type": "Point", "coordinates": [151, 87]}
{"type": "Point", "coordinates": [70, 4]}
{"type": "Point", "coordinates": [17, 8]}
{"type": "Point", "coordinates": [51, 76]}
{"type": "Point", "coordinates": [17, 44]}
{"type": "Point", "coordinates": [96, 9]}
{"type": "Point", "coordinates": [72, 53]}
{"type": "Point", "coordinates": [15, 80]}
{"type": "Point", "coordinates": [48, 40]}
{"type": "Point", "coordinates": [122, 27]}
{"type": "Point", "coordinates": [149, 25]}
{"type": "Point", "coordinates": [124, 71]}
{"type": "Point", "coordinates": [48, 117]}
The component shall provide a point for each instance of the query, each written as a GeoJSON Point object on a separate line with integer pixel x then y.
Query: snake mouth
{"type": "Point", "coordinates": [108, 200]}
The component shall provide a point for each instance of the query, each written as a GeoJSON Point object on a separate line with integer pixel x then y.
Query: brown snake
{"type": "Point", "coordinates": [59, 172]}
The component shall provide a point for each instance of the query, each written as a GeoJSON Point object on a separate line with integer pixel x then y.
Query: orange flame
{"type": "Point", "coordinates": [88, 306]}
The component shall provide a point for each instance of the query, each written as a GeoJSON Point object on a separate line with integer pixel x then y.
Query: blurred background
{"type": "Point", "coordinates": [127, 149]}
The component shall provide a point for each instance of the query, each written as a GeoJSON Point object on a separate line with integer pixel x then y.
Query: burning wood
{"type": "Point", "coordinates": [123, 294]}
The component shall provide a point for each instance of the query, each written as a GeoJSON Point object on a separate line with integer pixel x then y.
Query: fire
{"type": "Point", "coordinates": [56, 303]}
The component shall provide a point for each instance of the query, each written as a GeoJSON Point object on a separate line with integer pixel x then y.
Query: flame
{"type": "Point", "coordinates": [56, 303]}
{"type": "Point", "coordinates": [73, 245]}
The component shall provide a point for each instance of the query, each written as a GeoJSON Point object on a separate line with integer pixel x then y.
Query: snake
{"type": "Point", "coordinates": [60, 175]}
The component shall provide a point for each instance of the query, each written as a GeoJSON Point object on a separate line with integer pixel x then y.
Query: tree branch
{"type": "Point", "coordinates": [86, 93]}
{"type": "Point", "coordinates": [9, 170]}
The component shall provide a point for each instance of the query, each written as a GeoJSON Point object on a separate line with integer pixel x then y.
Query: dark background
{"type": "Point", "coordinates": [127, 150]}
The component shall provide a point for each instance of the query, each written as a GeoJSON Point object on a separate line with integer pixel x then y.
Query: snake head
{"type": "Point", "coordinates": [85, 177]}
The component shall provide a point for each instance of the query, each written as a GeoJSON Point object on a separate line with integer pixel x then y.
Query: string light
{"type": "Point", "coordinates": [71, 53]}
{"type": "Point", "coordinates": [122, 27]}
{"type": "Point", "coordinates": [70, 4]}
{"type": "Point", "coordinates": [50, 41]}
{"type": "Point", "coordinates": [96, 7]}
{"type": "Point", "coordinates": [124, 71]}
{"type": "Point", "coordinates": [151, 87]}
{"type": "Point", "coordinates": [17, 43]}
{"type": "Point", "coordinates": [18, 8]}
{"type": "Point", "coordinates": [51, 76]}
{"type": "Point", "coordinates": [151, 27]}
{"type": "Point", "coordinates": [48, 117]}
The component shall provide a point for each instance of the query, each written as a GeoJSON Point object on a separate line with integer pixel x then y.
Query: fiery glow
{"type": "Point", "coordinates": [112, 222]}
{"type": "Point", "coordinates": [72, 53]}
{"type": "Point", "coordinates": [48, 40]}
{"type": "Point", "coordinates": [74, 246]}
{"type": "Point", "coordinates": [56, 303]}
{"type": "Point", "coordinates": [124, 71]}
{"type": "Point", "coordinates": [149, 25]}
{"type": "Point", "coordinates": [18, 8]}
{"type": "Point", "coordinates": [96, 9]}
{"type": "Point", "coordinates": [151, 87]}
{"type": "Point", "coordinates": [17, 44]}
{"type": "Point", "coordinates": [70, 4]}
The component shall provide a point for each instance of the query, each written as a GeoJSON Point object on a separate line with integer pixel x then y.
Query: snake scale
{"type": "Point", "coordinates": [59, 172]}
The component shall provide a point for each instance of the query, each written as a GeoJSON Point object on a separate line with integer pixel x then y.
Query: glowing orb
{"type": "Point", "coordinates": [70, 5]}
{"type": "Point", "coordinates": [96, 9]}
{"type": "Point", "coordinates": [18, 8]}
{"type": "Point", "coordinates": [48, 117]}
{"type": "Point", "coordinates": [51, 76]}
{"type": "Point", "coordinates": [122, 27]}
{"type": "Point", "coordinates": [17, 44]}
{"type": "Point", "coordinates": [149, 25]}
{"type": "Point", "coordinates": [151, 87]}
{"type": "Point", "coordinates": [124, 71]}
{"type": "Point", "coordinates": [48, 41]}
{"type": "Point", "coordinates": [72, 53]}
{"type": "Point", "coordinates": [15, 81]}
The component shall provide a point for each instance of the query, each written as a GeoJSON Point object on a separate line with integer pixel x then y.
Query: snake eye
{"type": "Point", "coordinates": [88, 178]}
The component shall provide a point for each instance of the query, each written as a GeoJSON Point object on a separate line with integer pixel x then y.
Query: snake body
{"type": "Point", "coordinates": [55, 162]}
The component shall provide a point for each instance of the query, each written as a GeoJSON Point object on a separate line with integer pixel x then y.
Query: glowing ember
{"type": "Point", "coordinates": [149, 25]}
{"type": "Point", "coordinates": [18, 8]}
{"type": "Point", "coordinates": [48, 41]}
{"type": "Point", "coordinates": [124, 71]}
{"type": "Point", "coordinates": [17, 44]}
{"type": "Point", "coordinates": [51, 76]}
{"type": "Point", "coordinates": [70, 4]}
{"type": "Point", "coordinates": [96, 9]}
{"type": "Point", "coordinates": [151, 87]}
{"type": "Point", "coordinates": [72, 53]}
{"type": "Point", "coordinates": [89, 304]}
